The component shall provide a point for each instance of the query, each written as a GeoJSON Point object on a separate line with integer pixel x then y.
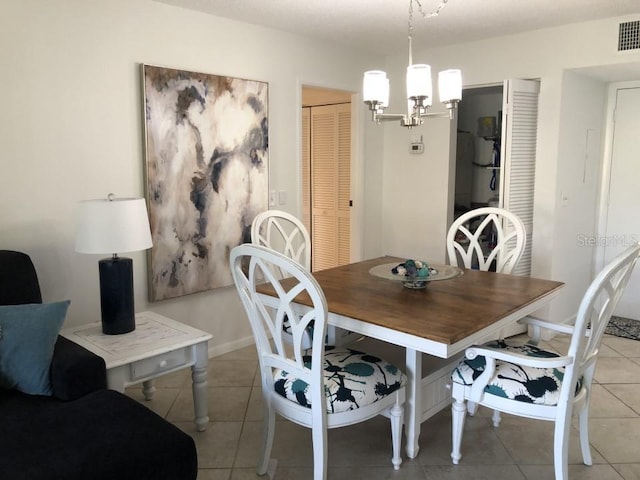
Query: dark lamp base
{"type": "Point", "coordinates": [116, 295]}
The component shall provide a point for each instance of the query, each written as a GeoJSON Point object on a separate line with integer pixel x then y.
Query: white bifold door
{"type": "Point", "coordinates": [518, 152]}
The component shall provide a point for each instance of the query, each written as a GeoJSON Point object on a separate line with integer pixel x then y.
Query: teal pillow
{"type": "Point", "coordinates": [28, 335]}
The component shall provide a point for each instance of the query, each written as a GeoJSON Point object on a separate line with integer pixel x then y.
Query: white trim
{"type": "Point", "coordinates": [217, 350]}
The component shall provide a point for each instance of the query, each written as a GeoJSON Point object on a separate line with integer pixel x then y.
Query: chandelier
{"type": "Point", "coordinates": [375, 86]}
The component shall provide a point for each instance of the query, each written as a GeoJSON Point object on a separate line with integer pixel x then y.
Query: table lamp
{"type": "Point", "coordinates": [108, 226]}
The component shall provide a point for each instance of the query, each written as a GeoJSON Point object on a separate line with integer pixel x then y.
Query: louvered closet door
{"type": "Point", "coordinates": [330, 185]}
{"type": "Point", "coordinates": [520, 121]}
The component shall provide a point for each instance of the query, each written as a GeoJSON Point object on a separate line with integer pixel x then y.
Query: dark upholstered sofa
{"type": "Point", "coordinates": [83, 430]}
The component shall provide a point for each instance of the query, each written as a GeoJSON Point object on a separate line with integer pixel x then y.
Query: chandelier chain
{"type": "Point", "coordinates": [424, 14]}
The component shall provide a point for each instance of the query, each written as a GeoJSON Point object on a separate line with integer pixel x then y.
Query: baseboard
{"type": "Point", "coordinates": [217, 350]}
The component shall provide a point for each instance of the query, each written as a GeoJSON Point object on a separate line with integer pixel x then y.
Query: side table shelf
{"type": "Point", "coordinates": [156, 347]}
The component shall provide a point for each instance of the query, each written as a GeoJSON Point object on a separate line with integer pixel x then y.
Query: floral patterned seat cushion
{"type": "Point", "coordinates": [516, 382]}
{"type": "Point", "coordinates": [352, 380]}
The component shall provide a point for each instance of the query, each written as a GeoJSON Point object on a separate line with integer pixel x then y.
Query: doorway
{"type": "Point", "coordinates": [326, 174]}
{"type": "Point", "coordinates": [478, 149]}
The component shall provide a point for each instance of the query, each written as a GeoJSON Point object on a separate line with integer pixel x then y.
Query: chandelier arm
{"type": "Point", "coordinates": [384, 117]}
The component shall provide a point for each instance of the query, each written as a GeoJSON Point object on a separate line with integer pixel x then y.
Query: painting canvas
{"type": "Point", "coordinates": [207, 158]}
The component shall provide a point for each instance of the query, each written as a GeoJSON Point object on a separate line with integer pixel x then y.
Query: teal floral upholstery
{"type": "Point", "coordinates": [516, 382]}
{"type": "Point", "coordinates": [352, 380]}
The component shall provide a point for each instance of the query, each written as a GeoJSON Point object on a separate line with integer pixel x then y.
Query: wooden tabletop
{"type": "Point", "coordinates": [445, 311]}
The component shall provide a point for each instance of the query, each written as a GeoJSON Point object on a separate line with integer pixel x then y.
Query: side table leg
{"type": "Point", "coordinates": [148, 389]}
{"type": "Point", "coordinates": [199, 386]}
{"type": "Point", "coordinates": [413, 403]}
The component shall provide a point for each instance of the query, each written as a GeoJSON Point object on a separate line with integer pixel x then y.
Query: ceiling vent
{"type": "Point", "coordinates": [629, 36]}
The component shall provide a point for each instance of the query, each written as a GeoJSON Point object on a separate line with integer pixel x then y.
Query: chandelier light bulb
{"type": "Point", "coordinates": [450, 85]}
{"type": "Point", "coordinates": [419, 82]}
{"type": "Point", "coordinates": [375, 87]}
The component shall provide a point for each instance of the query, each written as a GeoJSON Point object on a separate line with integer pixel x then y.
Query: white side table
{"type": "Point", "coordinates": [156, 347]}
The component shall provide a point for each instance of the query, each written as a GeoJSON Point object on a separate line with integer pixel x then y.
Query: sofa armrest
{"type": "Point", "coordinates": [75, 371]}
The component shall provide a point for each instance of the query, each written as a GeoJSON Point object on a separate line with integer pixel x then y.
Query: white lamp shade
{"type": "Point", "coordinates": [450, 85]}
{"type": "Point", "coordinates": [113, 226]}
{"type": "Point", "coordinates": [375, 87]}
{"type": "Point", "coordinates": [419, 82]}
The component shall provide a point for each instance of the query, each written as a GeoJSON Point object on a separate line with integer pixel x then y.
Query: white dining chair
{"type": "Point", "coordinates": [286, 234]}
{"type": "Point", "coordinates": [320, 388]}
{"type": "Point", "coordinates": [528, 381]}
{"type": "Point", "coordinates": [486, 236]}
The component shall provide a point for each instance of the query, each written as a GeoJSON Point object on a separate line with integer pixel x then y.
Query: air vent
{"type": "Point", "coordinates": [629, 36]}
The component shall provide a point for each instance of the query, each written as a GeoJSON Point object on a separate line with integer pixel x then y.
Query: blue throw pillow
{"type": "Point", "coordinates": [28, 335]}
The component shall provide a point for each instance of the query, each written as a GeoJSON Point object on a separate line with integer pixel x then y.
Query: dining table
{"type": "Point", "coordinates": [442, 319]}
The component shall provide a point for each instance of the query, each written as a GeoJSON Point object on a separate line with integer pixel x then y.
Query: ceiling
{"type": "Point", "coordinates": [381, 25]}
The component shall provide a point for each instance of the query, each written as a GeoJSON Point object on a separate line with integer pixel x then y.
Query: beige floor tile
{"type": "Point", "coordinates": [582, 472]}
{"type": "Point", "coordinates": [245, 353]}
{"type": "Point", "coordinates": [217, 445]}
{"type": "Point", "coordinates": [214, 474]}
{"type": "Point", "coordinates": [629, 471]}
{"type": "Point", "coordinates": [367, 443]}
{"type": "Point", "coordinates": [235, 373]}
{"type": "Point", "coordinates": [255, 407]}
{"type": "Point", "coordinates": [224, 404]}
{"type": "Point", "coordinates": [474, 472]}
{"type": "Point", "coordinates": [617, 370]}
{"type": "Point", "coordinates": [162, 401]}
{"type": "Point", "coordinates": [618, 440]}
{"type": "Point", "coordinates": [406, 472]}
{"type": "Point", "coordinates": [291, 445]}
{"type": "Point", "coordinates": [605, 403]}
{"type": "Point", "coordinates": [629, 393]}
{"type": "Point", "coordinates": [530, 442]}
{"type": "Point", "coordinates": [480, 444]}
{"type": "Point", "coordinates": [624, 346]}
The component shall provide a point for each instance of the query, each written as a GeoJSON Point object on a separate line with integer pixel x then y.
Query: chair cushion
{"type": "Point", "coordinates": [516, 382]}
{"type": "Point", "coordinates": [352, 380]}
{"type": "Point", "coordinates": [28, 335]}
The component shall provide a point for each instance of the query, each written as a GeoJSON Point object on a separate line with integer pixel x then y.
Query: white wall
{"type": "Point", "coordinates": [416, 191]}
{"type": "Point", "coordinates": [71, 128]}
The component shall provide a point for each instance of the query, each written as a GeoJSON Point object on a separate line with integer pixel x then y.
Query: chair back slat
{"type": "Point", "coordinates": [284, 233]}
{"type": "Point", "coordinates": [252, 265]}
{"type": "Point", "coordinates": [467, 243]}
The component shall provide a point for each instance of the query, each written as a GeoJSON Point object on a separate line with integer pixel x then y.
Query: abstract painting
{"type": "Point", "coordinates": [207, 159]}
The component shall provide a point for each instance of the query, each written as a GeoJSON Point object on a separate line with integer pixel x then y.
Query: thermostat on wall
{"type": "Point", "coordinates": [416, 146]}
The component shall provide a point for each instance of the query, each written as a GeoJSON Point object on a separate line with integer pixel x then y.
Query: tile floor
{"type": "Point", "coordinates": [519, 449]}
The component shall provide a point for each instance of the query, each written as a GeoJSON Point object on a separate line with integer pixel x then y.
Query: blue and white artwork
{"type": "Point", "coordinates": [207, 158]}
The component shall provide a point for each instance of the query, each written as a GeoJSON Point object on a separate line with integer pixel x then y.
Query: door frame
{"type": "Point", "coordinates": [357, 161]}
{"type": "Point", "coordinates": [605, 177]}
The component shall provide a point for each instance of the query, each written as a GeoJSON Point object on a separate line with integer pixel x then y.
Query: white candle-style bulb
{"type": "Point", "coordinates": [450, 85]}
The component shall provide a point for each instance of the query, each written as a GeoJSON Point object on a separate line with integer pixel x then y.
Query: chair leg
{"type": "Point", "coordinates": [396, 414]}
{"type": "Point", "coordinates": [319, 436]}
{"type": "Point", "coordinates": [458, 414]}
{"type": "Point", "coordinates": [268, 427]}
{"type": "Point", "coordinates": [584, 434]}
{"type": "Point", "coordinates": [496, 418]}
{"type": "Point", "coordinates": [561, 447]}
{"type": "Point", "coordinates": [472, 408]}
